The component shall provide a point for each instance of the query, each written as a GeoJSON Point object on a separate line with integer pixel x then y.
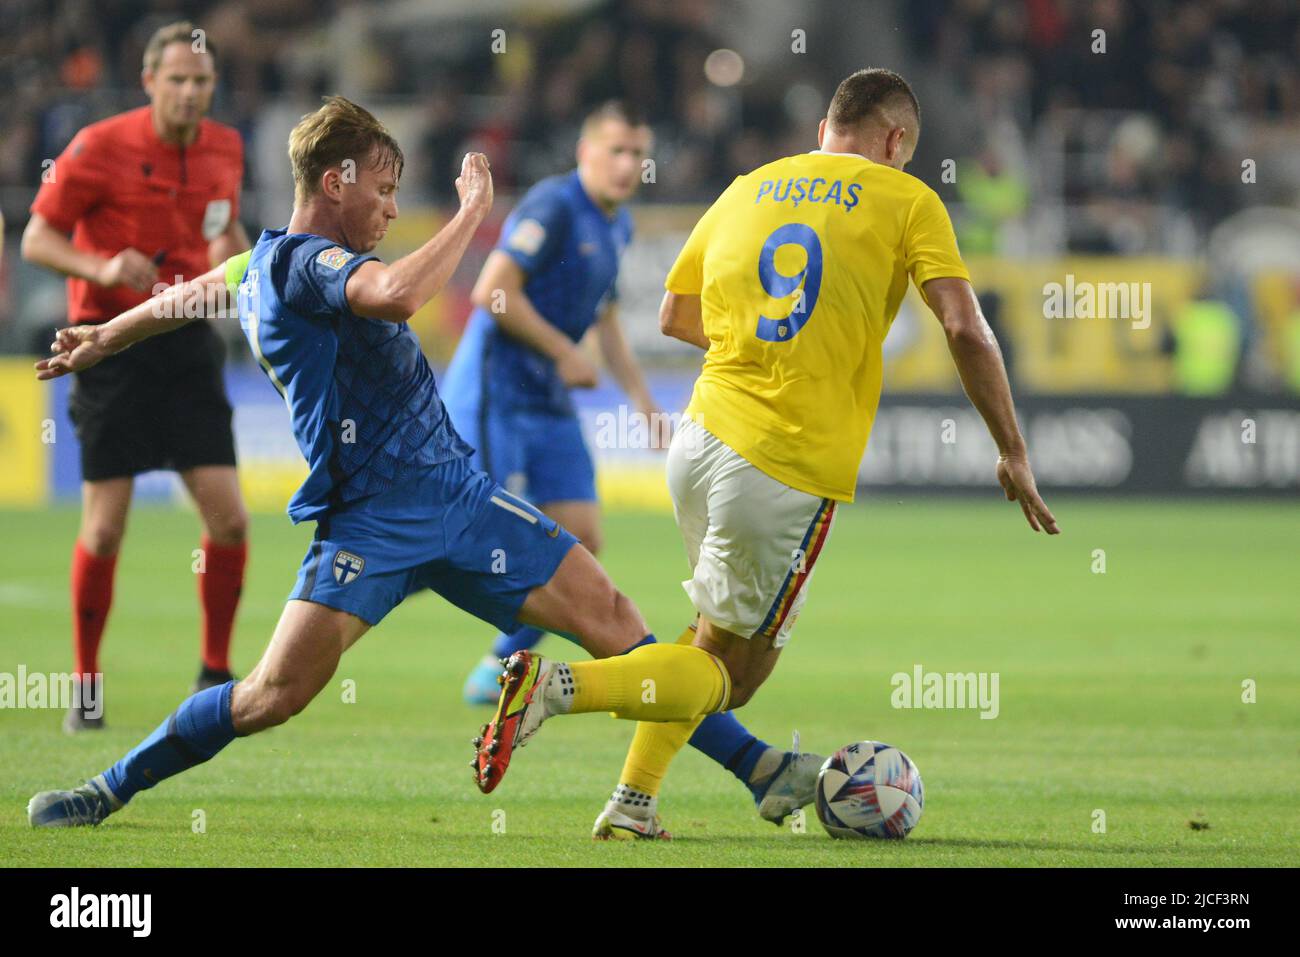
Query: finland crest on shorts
{"type": "Point", "coordinates": [347, 566]}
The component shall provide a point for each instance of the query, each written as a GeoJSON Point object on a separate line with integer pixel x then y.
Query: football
{"type": "Point", "coordinates": [869, 789]}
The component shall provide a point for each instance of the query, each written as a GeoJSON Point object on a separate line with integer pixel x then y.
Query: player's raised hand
{"type": "Point", "coordinates": [1017, 480]}
{"type": "Point", "coordinates": [576, 369]}
{"type": "Point", "coordinates": [474, 184]}
{"type": "Point", "coordinates": [130, 268]}
{"type": "Point", "coordinates": [75, 349]}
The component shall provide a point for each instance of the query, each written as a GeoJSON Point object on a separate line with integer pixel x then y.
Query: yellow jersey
{"type": "Point", "coordinates": [800, 267]}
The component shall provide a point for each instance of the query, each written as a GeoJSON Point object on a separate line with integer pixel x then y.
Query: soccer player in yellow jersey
{"type": "Point", "coordinates": [790, 282]}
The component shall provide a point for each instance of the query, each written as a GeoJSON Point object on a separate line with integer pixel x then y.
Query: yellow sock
{"type": "Point", "coordinates": [653, 748]}
{"type": "Point", "coordinates": [656, 743]}
{"type": "Point", "coordinates": [652, 683]}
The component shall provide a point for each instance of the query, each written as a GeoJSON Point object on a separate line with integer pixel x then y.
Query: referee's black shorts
{"type": "Point", "coordinates": [161, 404]}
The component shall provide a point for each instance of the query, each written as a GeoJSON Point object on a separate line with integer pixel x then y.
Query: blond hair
{"type": "Point", "coordinates": [182, 31]}
{"type": "Point", "coordinates": [338, 131]}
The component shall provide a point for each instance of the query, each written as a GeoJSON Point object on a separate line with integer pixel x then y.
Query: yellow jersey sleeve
{"type": "Point", "coordinates": [686, 278]}
{"type": "Point", "coordinates": [929, 243]}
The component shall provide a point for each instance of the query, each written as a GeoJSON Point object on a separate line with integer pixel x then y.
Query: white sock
{"type": "Point", "coordinates": [766, 765]}
{"type": "Point", "coordinates": [558, 693]}
{"type": "Point", "coordinates": [769, 761]}
{"type": "Point", "coordinates": [101, 785]}
{"type": "Point", "coordinates": [632, 802]}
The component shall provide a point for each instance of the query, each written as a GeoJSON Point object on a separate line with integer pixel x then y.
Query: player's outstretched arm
{"type": "Point", "coordinates": [984, 377]}
{"type": "Point", "coordinates": [79, 347]}
{"type": "Point", "coordinates": [394, 292]}
{"type": "Point", "coordinates": [681, 318]}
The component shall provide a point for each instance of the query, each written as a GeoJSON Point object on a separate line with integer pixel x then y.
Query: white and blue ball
{"type": "Point", "coordinates": [869, 789]}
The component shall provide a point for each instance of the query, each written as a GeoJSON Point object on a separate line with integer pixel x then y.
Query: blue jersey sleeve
{"type": "Point", "coordinates": [536, 228]}
{"type": "Point", "coordinates": [314, 277]}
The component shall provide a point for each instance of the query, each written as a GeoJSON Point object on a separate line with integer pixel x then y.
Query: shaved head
{"type": "Point", "coordinates": [873, 97]}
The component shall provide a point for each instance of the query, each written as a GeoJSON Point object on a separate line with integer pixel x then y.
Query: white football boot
{"type": "Point", "coordinates": [630, 814]}
{"type": "Point", "coordinates": [791, 782]}
{"type": "Point", "coordinates": [85, 806]}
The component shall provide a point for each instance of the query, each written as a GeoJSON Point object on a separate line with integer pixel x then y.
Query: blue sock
{"type": "Point", "coordinates": [521, 640]}
{"type": "Point", "coordinates": [723, 738]}
{"type": "Point", "coordinates": [196, 731]}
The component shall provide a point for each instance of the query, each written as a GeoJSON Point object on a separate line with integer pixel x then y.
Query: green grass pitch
{"type": "Point", "coordinates": [1119, 692]}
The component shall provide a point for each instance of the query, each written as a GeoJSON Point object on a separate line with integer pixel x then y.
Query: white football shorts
{"type": "Point", "coordinates": [751, 540]}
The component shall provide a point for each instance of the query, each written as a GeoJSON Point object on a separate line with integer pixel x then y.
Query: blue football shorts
{"type": "Point", "coordinates": [454, 530]}
{"type": "Point", "coordinates": [540, 456]}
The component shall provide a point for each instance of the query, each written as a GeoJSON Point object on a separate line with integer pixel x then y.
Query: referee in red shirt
{"type": "Point", "coordinates": [150, 197]}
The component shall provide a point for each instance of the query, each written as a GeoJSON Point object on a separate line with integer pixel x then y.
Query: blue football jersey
{"type": "Point", "coordinates": [365, 409]}
{"type": "Point", "coordinates": [569, 250]}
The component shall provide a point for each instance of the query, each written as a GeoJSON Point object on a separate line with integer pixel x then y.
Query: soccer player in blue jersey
{"type": "Point", "coordinates": [397, 505]}
{"type": "Point", "coordinates": [551, 278]}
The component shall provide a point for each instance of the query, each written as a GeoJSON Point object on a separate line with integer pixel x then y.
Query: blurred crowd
{"type": "Point", "coordinates": [1086, 126]}
{"type": "Point", "coordinates": [68, 62]}
{"type": "Point", "coordinates": [1122, 110]}
{"type": "Point", "coordinates": [1118, 108]}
